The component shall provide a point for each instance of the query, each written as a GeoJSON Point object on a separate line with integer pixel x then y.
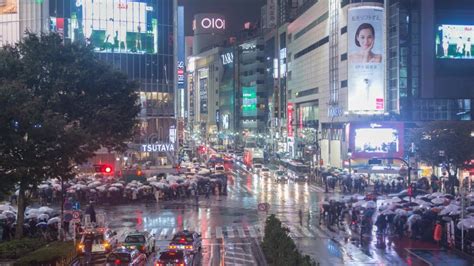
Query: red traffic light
{"type": "Point", "coordinates": [104, 168]}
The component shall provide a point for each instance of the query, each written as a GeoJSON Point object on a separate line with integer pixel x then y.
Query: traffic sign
{"type": "Point", "coordinates": [263, 206]}
{"type": "Point", "coordinates": [76, 215]}
{"type": "Point", "coordinates": [76, 206]}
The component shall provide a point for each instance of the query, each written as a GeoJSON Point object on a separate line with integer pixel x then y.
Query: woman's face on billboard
{"type": "Point", "coordinates": [366, 39]}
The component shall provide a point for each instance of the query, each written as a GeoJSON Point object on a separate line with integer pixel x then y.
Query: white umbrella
{"type": "Point", "coordinates": [53, 220]}
{"type": "Point", "coordinates": [151, 179]}
{"type": "Point", "coordinates": [42, 186]}
{"type": "Point", "coordinates": [43, 216]}
{"type": "Point", "coordinates": [3, 217]}
{"type": "Point", "coordinates": [117, 185]}
{"type": "Point", "coordinates": [31, 211]}
{"type": "Point", "coordinates": [438, 200]}
{"type": "Point", "coordinates": [437, 194]}
{"type": "Point", "coordinates": [470, 209]}
{"type": "Point", "coordinates": [413, 218]}
{"type": "Point", "coordinates": [401, 212]}
{"type": "Point", "coordinates": [45, 209]}
{"type": "Point", "coordinates": [7, 207]}
{"type": "Point", "coordinates": [395, 199]}
{"type": "Point", "coordinates": [114, 189]}
{"type": "Point", "coordinates": [359, 203]}
{"type": "Point", "coordinates": [101, 188]}
{"type": "Point", "coordinates": [32, 215]}
{"type": "Point", "coordinates": [9, 214]}
{"type": "Point", "coordinates": [467, 223]}
{"type": "Point", "coordinates": [93, 191]}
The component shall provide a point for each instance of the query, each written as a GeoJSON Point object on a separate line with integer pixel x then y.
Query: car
{"type": "Point", "coordinates": [265, 172]}
{"type": "Point", "coordinates": [295, 176]}
{"type": "Point", "coordinates": [186, 240]}
{"type": "Point", "coordinates": [126, 257]}
{"type": "Point", "coordinates": [280, 176]}
{"type": "Point", "coordinates": [174, 257]}
{"type": "Point", "coordinates": [142, 241]}
{"type": "Point", "coordinates": [256, 168]}
{"type": "Point", "coordinates": [103, 240]}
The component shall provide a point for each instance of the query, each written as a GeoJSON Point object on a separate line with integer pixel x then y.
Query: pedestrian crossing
{"type": "Point", "coordinates": [302, 231]}
{"type": "Point", "coordinates": [217, 232]}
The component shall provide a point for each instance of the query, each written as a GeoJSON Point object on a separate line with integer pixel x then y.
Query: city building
{"type": "Point", "coordinates": [142, 46]}
{"type": "Point", "coordinates": [336, 81]}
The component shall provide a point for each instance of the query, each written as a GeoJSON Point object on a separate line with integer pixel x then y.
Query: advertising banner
{"type": "Point", "coordinates": [365, 60]}
{"type": "Point", "coordinates": [454, 41]}
{"type": "Point", "coordinates": [249, 101]}
{"type": "Point", "coordinates": [8, 7]}
{"type": "Point", "coordinates": [289, 119]}
{"type": "Point", "coordinates": [203, 95]}
{"type": "Point", "coordinates": [116, 26]}
{"type": "Point", "coordinates": [382, 139]}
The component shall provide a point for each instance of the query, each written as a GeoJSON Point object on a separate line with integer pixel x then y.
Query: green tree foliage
{"type": "Point", "coordinates": [58, 104]}
{"type": "Point", "coordinates": [279, 248]}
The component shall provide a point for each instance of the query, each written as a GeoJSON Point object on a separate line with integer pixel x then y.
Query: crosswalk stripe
{"type": "Point", "coordinates": [295, 232]}
{"type": "Point", "coordinates": [173, 232]}
{"type": "Point", "coordinates": [305, 231]}
{"type": "Point", "coordinates": [241, 232]}
{"type": "Point", "coordinates": [230, 232]}
{"type": "Point", "coordinates": [252, 232]}
{"type": "Point", "coordinates": [219, 232]}
{"type": "Point", "coordinates": [163, 233]}
{"type": "Point", "coordinates": [208, 232]}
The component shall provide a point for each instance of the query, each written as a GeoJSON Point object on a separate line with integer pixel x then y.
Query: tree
{"type": "Point", "coordinates": [58, 105]}
{"type": "Point", "coordinates": [279, 248]}
{"type": "Point", "coordinates": [444, 142]}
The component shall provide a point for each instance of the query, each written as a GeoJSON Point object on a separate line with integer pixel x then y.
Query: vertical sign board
{"type": "Point", "coordinates": [366, 59]}
{"type": "Point", "coordinates": [289, 119]}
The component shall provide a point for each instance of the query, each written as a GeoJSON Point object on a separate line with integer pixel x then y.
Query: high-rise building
{"type": "Point", "coordinates": [136, 37]}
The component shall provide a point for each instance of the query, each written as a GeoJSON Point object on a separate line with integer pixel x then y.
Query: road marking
{"type": "Point", "coordinates": [230, 232]}
{"type": "Point", "coordinates": [305, 231]}
{"type": "Point", "coordinates": [163, 233]}
{"type": "Point", "coordinates": [293, 230]}
{"type": "Point", "coordinates": [252, 232]}
{"type": "Point", "coordinates": [218, 232]}
{"type": "Point", "coordinates": [241, 232]}
{"type": "Point", "coordinates": [173, 232]}
{"type": "Point", "coordinates": [208, 232]}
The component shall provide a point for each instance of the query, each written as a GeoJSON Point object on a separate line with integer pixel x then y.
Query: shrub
{"type": "Point", "coordinates": [49, 254]}
{"type": "Point", "coordinates": [16, 248]}
{"type": "Point", "coordinates": [279, 248]}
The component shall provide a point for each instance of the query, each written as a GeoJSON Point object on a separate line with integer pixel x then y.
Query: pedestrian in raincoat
{"type": "Point", "coordinates": [438, 232]}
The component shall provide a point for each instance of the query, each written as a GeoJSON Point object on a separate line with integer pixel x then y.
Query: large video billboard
{"type": "Point", "coordinates": [366, 59]}
{"type": "Point", "coordinates": [116, 26]}
{"type": "Point", "coordinates": [454, 41]}
{"type": "Point", "coordinates": [381, 139]}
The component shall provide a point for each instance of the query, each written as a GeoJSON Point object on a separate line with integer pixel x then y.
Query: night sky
{"type": "Point", "coordinates": [237, 12]}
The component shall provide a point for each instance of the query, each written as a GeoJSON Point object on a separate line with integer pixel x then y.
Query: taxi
{"type": "Point", "coordinates": [103, 240]}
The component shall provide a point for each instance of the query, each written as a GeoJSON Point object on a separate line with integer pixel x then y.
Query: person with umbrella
{"type": "Point", "coordinates": [91, 211]}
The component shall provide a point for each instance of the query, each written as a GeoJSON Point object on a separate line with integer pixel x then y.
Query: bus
{"type": "Point", "coordinates": [296, 170]}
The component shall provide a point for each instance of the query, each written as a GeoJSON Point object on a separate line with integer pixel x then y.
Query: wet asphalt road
{"type": "Point", "coordinates": [231, 225]}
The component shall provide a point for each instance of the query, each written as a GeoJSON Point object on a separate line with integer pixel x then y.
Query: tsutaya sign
{"type": "Point", "coordinates": [157, 147]}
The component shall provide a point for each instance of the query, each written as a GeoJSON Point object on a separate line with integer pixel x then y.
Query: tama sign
{"type": "Point", "coordinates": [204, 23]}
{"type": "Point", "coordinates": [157, 147]}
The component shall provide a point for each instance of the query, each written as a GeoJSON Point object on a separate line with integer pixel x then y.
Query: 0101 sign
{"type": "Point", "coordinates": [213, 23]}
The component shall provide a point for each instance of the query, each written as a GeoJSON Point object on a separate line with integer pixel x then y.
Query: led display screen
{"type": "Point", "coordinates": [116, 26]}
{"type": "Point", "coordinates": [454, 41]}
{"type": "Point", "coordinates": [249, 101]}
{"type": "Point", "coordinates": [376, 139]}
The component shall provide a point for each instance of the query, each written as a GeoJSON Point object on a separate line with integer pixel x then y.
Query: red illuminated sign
{"type": "Point", "coordinates": [289, 119]}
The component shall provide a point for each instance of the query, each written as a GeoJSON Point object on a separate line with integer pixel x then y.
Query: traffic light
{"type": "Point", "coordinates": [104, 169]}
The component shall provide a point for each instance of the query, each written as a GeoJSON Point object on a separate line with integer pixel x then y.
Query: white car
{"type": "Point", "coordinates": [256, 168]}
{"type": "Point", "coordinates": [265, 172]}
{"type": "Point", "coordinates": [280, 176]}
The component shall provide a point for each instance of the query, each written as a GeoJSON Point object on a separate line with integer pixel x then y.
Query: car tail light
{"type": "Point", "coordinates": [159, 263]}
{"type": "Point", "coordinates": [189, 247]}
{"type": "Point", "coordinates": [182, 240]}
{"type": "Point", "coordinates": [172, 247]}
{"type": "Point", "coordinates": [117, 262]}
